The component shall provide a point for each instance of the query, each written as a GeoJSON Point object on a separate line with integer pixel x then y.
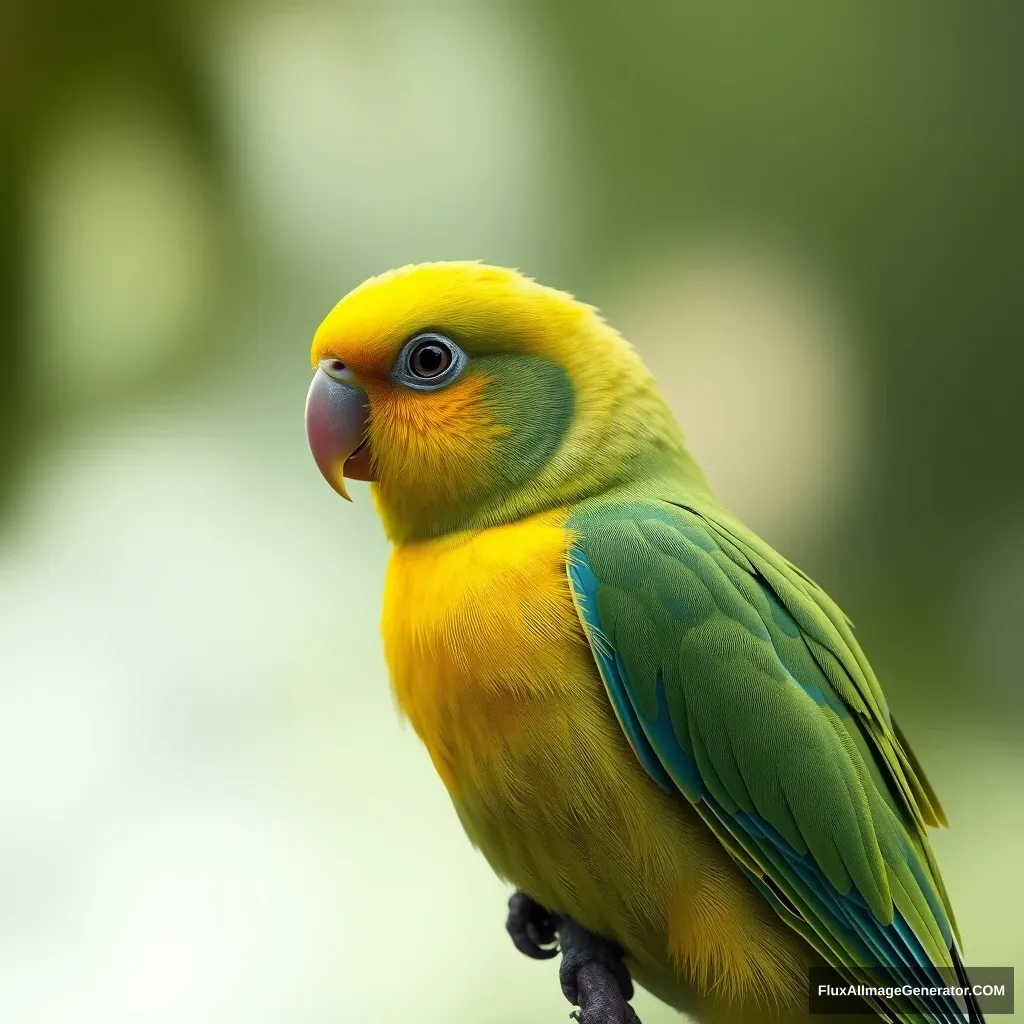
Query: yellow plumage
{"type": "Point", "coordinates": [487, 655]}
{"type": "Point", "coordinates": [490, 665]}
{"type": "Point", "coordinates": [432, 450]}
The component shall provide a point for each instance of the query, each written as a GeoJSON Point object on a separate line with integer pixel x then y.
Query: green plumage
{"type": "Point", "coordinates": [744, 681]}
{"type": "Point", "coordinates": [773, 817]}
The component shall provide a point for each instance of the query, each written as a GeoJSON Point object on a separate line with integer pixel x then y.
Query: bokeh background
{"type": "Point", "coordinates": [808, 218]}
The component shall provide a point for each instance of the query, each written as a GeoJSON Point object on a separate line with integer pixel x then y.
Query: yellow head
{"type": "Point", "coordinates": [471, 395]}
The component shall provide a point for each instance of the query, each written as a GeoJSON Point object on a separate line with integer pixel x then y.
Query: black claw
{"type": "Point", "coordinates": [531, 927]}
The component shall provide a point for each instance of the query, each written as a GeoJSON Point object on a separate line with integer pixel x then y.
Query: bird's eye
{"type": "Point", "coordinates": [430, 358]}
{"type": "Point", "coordinates": [428, 361]}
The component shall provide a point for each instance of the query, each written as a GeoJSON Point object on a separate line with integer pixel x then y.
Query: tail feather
{"type": "Point", "coordinates": [975, 1016]}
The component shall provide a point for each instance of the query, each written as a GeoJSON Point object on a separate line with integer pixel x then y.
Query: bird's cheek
{"type": "Point", "coordinates": [433, 448]}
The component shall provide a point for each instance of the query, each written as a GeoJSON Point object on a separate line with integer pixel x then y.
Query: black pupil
{"type": "Point", "coordinates": [429, 360]}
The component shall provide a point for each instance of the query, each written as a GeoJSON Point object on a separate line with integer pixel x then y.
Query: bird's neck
{"type": "Point", "coordinates": [670, 474]}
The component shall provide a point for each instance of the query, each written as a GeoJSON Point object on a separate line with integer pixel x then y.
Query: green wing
{"type": "Point", "coordinates": [738, 682]}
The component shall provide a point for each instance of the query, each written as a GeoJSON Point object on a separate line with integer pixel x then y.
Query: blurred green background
{"type": "Point", "coordinates": [808, 218]}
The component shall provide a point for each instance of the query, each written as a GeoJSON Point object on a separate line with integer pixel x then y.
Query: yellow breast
{"type": "Point", "coordinates": [473, 624]}
{"type": "Point", "coordinates": [489, 663]}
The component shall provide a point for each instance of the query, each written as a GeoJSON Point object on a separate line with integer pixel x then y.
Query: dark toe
{"type": "Point", "coordinates": [531, 927]}
{"type": "Point", "coordinates": [601, 1000]}
{"type": "Point", "coordinates": [580, 948]}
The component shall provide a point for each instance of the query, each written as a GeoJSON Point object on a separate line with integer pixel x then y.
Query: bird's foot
{"type": "Point", "coordinates": [593, 974]}
{"type": "Point", "coordinates": [600, 998]}
{"type": "Point", "coordinates": [594, 977]}
{"type": "Point", "coordinates": [532, 928]}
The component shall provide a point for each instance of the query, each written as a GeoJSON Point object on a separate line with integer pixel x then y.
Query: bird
{"type": "Point", "coordinates": [661, 733]}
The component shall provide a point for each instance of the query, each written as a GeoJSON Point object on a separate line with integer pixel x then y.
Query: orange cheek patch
{"type": "Point", "coordinates": [430, 447]}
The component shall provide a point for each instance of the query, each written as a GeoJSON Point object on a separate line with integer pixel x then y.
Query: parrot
{"type": "Point", "coordinates": [655, 728]}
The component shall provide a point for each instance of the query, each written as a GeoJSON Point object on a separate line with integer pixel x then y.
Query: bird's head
{"type": "Point", "coordinates": [470, 395]}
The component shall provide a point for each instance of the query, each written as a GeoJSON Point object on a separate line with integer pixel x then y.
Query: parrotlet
{"type": "Point", "coordinates": [654, 726]}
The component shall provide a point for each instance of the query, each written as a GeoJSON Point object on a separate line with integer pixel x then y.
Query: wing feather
{"type": "Point", "coordinates": [738, 683]}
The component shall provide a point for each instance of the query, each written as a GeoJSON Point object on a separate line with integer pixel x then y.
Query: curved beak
{"type": "Point", "coordinates": [336, 414]}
